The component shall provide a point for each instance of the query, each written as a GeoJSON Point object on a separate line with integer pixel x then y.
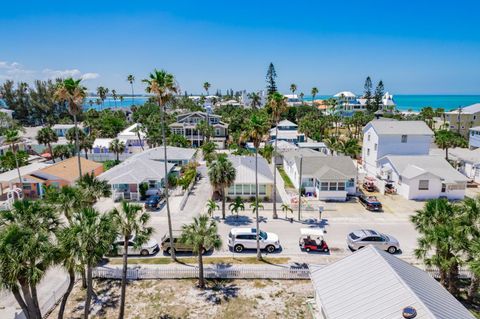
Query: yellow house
{"type": "Point", "coordinates": [464, 118]}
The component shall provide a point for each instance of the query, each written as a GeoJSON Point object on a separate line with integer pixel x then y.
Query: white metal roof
{"type": "Point", "coordinates": [12, 175]}
{"type": "Point", "coordinates": [245, 169]}
{"type": "Point", "coordinates": [374, 284]}
{"type": "Point", "coordinates": [173, 153]}
{"type": "Point", "coordinates": [312, 231]}
{"type": "Point", "coordinates": [345, 94]}
{"type": "Point", "coordinates": [471, 109]}
{"type": "Point", "coordinates": [102, 142]}
{"type": "Point", "coordinates": [382, 127]}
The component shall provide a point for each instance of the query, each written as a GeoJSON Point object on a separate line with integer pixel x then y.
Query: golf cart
{"type": "Point", "coordinates": [311, 239]}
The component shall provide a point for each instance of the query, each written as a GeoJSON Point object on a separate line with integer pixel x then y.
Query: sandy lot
{"type": "Point", "coordinates": [181, 299]}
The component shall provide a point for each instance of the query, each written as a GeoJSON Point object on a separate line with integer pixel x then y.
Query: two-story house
{"type": "Point", "coordinates": [287, 131]}
{"type": "Point", "coordinates": [388, 137]}
{"type": "Point", "coordinates": [464, 118]}
{"type": "Point", "coordinates": [187, 126]}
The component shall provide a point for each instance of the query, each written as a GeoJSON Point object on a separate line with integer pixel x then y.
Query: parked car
{"type": "Point", "coordinates": [311, 239]}
{"type": "Point", "coordinates": [153, 202]}
{"type": "Point", "coordinates": [369, 186]}
{"type": "Point", "coordinates": [370, 202]}
{"type": "Point", "coordinates": [178, 246]}
{"type": "Point", "coordinates": [149, 248]}
{"type": "Point", "coordinates": [245, 238]}
{"type": "Point", "coordinates": [360, 238]}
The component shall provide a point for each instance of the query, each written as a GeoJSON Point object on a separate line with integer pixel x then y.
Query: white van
{"type": "Point", "coordinates": [245, 238]}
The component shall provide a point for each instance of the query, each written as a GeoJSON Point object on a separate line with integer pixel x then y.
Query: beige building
{"type": "Point", "coordinates": [464, 118]}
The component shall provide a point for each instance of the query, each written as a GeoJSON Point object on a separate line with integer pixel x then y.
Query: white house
{"type": "Point", "coordinates": [372, 284]}
{"type": "Point", "coordinates": [466, 160]}
{"type": "Point", "coordinates": [287, 131]}
{"type": "Point", "coordinates": [474, 137]}
{"type": "Point", "coordinates": [422, 177]}
{"type": "Point", "coordinates": [244, 185]}
{"type": "Point", "coordinates": [293, 100]}
{"type": "Point", "coordinates": [388, 137]}
{"type": "Point", "coordinates": [323, 177]}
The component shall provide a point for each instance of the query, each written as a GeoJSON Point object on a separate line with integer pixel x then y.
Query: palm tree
{"type": "Point", "coordinates": [471, 226]}
{"type": "Point", "coordinates": [208, 150]}
{"type": "Point", "coordinates": [12, 137]}
{"type": "Point", "coordinates": [117, 147]}
{"type": "Point", "coordinates": [350, 147]}
{"type": "Point", "coordinates": [114, 95]}
{"type": "Point", "coordinates": [206, 87]}
{"type": "Point", "coordinates": [131, 221]}
{"type": "Point", "coordinates": [314, 93]}
{"type": "Point", "coordinates": [201, 234]}
{"type": "Point", "coordinates": [66, 200]}
{"type": "Point", "coordinates": [278, 104]}
{"type": "Point", "coordinates": [162, 84]}
{"type": "Point", "coordinates": [293, 88]}
{"type": "Point", "coordinates": [102, 93]}
{"type": "Point", "coordinates": [73, 93]}
{"type": "Point", "coordinates": [332, 143]}
{"type": "Point", "coordinates": [446, 139]}
{"type": "Point", "coordinates": [47, 136]}
{"type": "Point", "coordinates": [256, 131]}
{"type": "Point", "coordinates": [256, 207]}
{"type": "Point", "coordinates": [131, 79]}
{"type": "Point", "coordinates": [286, 209]}
{"type": "Point", "coordinates": [255, 100]}
{"type": "Point", "coordinates": [95, 234]}
{"type": "Point", "coordinates": [236, 205]}
{"type": "Point", "coordinates": [92, 189]}
{"type": "Point", "coordinates": [211, 207]}
{"type": "Point", "coordinates": [26, 251]}
{"type": "Point", "coordinates": [222, 175]}
{"type": "Point", "coordinates": [301, 96]}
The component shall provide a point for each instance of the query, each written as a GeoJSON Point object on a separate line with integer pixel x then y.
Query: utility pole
{"type": "Point", "coordinates": [300, 189]}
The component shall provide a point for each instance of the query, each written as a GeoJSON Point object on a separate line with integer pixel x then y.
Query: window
{"type": "Point", "coordinates": [333, 186]}
{"type": "Point", "coordinates": [217, 132]}
{"type": "Point", "coordinates": [231, 190]}
{"type": "Point", "coordinates": [368, 152]}
{"type": "Point", "coordinates": [351, 182]}
{"type": "Point", "coordinates": [238, 189]}
{"type": "Point", "coordinates": [444, 187]}
{"type": "Point", "coordinates": [247, 189]}
{"type": "Point", "coordinates": [368, 137]}
{"type": "Point", "coordinates": [375, 147]}
{"type": "Point", "coordinates": [474, 117]}
{"type": "Point", "coordinates": [404, 138]}
{"type": "Point", "coordinates": [423, 185]}
{"type": "Point", "coordinates": [341, 186]}
{"type": "Point", "coordinates": [262, 189]}
{"type": "Point", "coordinates": [324, 186]}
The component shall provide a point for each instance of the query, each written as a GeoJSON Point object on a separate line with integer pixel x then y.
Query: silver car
{"type": "Point", "coordinates": [363, 237]}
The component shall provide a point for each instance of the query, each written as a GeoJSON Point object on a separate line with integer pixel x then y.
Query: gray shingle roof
{"type": "Point", "coordinates": [372, 284]}
{"type": "Point", "coordinates": [400, 127]}
{"type": "Point", "coordinates": [245, 167]}
{"type": "Point", "coordinates": [327, 167]}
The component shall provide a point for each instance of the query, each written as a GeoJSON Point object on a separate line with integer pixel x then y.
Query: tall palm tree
{"type": "Point", "coordinates": [471, 225]}
{"type": "Point", "coordinates": [117, 147]}
{"type": "Point", "coordinates": [92, 189]}
{"type": "Point", "coordinates": [255, 100]}
{"type": "Point", "coordinates": [131, 79]}
{"type": "Point", "coordinates": [237, 205]}
{"type": "Point", "coordinates": [26, 251]}
{"type": "Point", "coordinates": [47, 136]}
{"type": "Point", "coordinates": [12, 137]}
{"type": "Point", "coordinates": [163, 85]}
{"type": "Point", "coordinates": [314, 93]}
{"type": "Point", "coordinates": [102, 93]}
{"type": "Point", "coordinates": [211, 207]}
{"type": "Point", "coordinates": [293, 88]}
{"type": "Point", "coordinates": [257, 130]}
{"type": "Point", "coordinates": [301, 96]}
{"type": "Point", "coordinates": [201, 234]}
{"type": "Point", "coordinates": [350, 147]}
{"type": "Point", "coordinates": [131, 221]}
{"type": "Point", "coordinates": [95, 234]}
{"type": "Point", "coordinates": [114, 96]}
{"type": "Point", "coordinates": [222, 175]}
{"type": "Point", "coordinates": [73, 93]}
{"type": "Point", "coordinates": [66, 200]}
{"type": "Point", "coordinates": [206, 87]}
{"type": "Point", "coordinates": [278, 104]}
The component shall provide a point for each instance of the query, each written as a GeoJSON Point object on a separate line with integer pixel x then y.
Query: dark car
{"type": "Point", "coordinates": [370, 202]}
{"type": "Point", "coordinates": [153, 202]}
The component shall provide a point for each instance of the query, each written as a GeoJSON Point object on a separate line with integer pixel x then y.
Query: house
{"type": "Point", "coordinates": [474, 137]}
{"type": "Point", "coordinates": [372, 284]}
{"type": "Point", "coordinates": [350, 103]}
{"type": "Point", "coordinates": [466, 161]}
{"type": "Point", "coordinates": [4, 107]}
{"type": "Point", "coordinates": [59, 174]}
{"type": "Point", "coordinates": [186, 125]}
{"type": "Point", "coordinates": [245, 98]}
{"type": "Point", "coordinates": [244, 185]}
{"type": "Point", "coordinates": [133, 141]}
{"type": "Point", "coordinates": [175, 155]}
{"type": "Point", "coordinates": [316, 146]}
{"type": "Point", "coordinates": [287, 131]}
{"type": "Point", "coordinates": [8, 179]}
{"type": "Point", "coordinates": [62, 129]}
{"type": "Point", "coordinates": [464, 118]}
{"type": "Point", "coordinates": [292, 100]}
{"type": "Point", "coordinates": [323, 177]}
{"type": "Point", "coordinates": [126, 177]}
{"type": "Point", "coordinates": [422, 177]}
{"type": "Point", "coordinates": [387, 137]}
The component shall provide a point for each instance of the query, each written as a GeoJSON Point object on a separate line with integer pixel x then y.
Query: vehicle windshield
{"type": "Point", "coordinates": [353, 236]}
{"type": "Point", "coordinates": [263, 235]}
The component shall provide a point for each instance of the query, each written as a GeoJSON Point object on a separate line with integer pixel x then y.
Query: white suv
{"type": "Point", "coordinates": [245, 238]}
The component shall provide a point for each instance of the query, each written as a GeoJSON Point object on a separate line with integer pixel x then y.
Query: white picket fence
{"type": "Point", "coordinates": [212, 273]}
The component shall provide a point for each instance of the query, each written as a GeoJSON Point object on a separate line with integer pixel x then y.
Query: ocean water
{"type": "Point", "coordinates": [404, 102]}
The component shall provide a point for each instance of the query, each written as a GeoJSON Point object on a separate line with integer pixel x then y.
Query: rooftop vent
{"type": "Point", "coordinates": [409, 313]}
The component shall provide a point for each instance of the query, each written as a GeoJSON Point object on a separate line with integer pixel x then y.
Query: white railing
{"type": "Point", "coordinates": [185, 273]}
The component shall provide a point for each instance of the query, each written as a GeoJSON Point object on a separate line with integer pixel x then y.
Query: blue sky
{"type": "Point", "coordinates": [413, 46]}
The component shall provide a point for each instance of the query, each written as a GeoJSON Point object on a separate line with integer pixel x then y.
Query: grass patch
{"type": "Point", "coordinates": [286, 180]}
{"type": "Point", "coordinates": [206, 260]}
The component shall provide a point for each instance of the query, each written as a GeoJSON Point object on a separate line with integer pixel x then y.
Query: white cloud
{"type": "Point", "coordinates": [90, 76]}
{"type": "Point", "coordinates": [54, 74]}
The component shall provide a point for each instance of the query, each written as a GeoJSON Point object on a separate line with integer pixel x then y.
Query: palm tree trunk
{"type": "Point", "coordinates": [31, 313]}
{"type": "Point", "coordinates": [274, 195]}
{"type": "Point", "coordinates": [84, 278]}
{"type": "Point", "coordinates": [473, 287]}
{"type": "Point", "coordinates": [121, 313]}
{"type": "Point", "coordinates": [164, 142]}
{"type": "Point", "coordinates": [71, 283]}
{"type": "Point", "coordinates": [21, 302]}
{"type": "Point", "coordinates": [89, 292]}
{"type": "Point", "coordinates": [133, 103]}
{"type": "Point", "coordinates": [14, 151]}
{"type": "Point", "coordinates": [76, 145]}
{"type": "Point", "coordinates": [118, 156]}
{"type": "Point", "coordinates": [201, 279]}
{"type": "Point", "coordinates": [33, 289]}
{"type": "Point", "coordinates": [51, 152]}
{"type": "Point", "coordinates": [259, 254]}
{"type": "Point", "coordinates": [223, 203]}
{"type": "Point", "coordinates": [140, 138]}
